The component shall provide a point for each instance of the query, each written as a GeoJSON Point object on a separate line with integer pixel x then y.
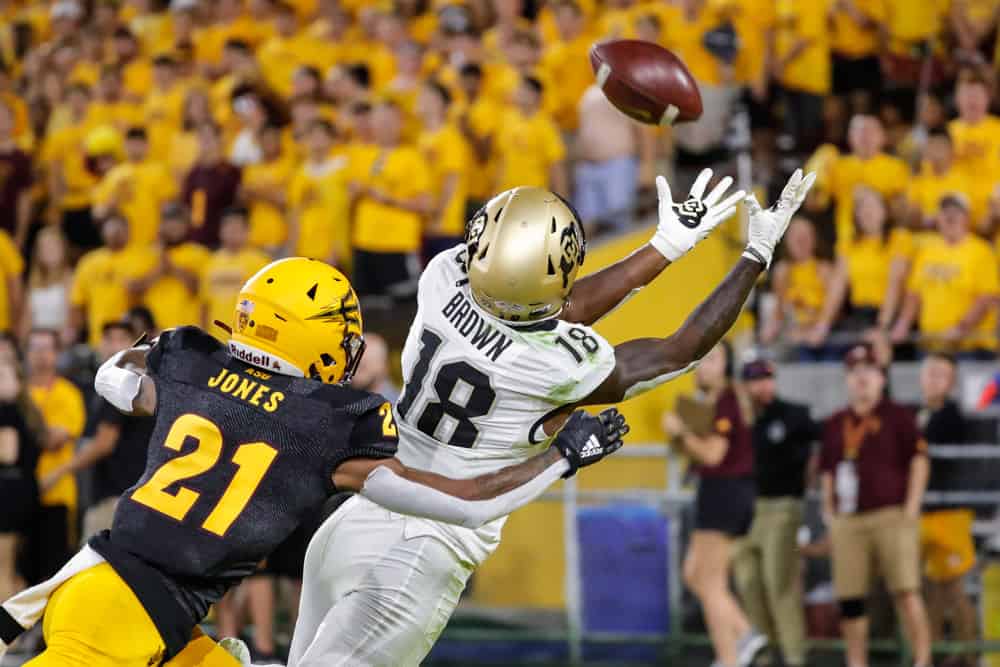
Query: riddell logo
{"type": "Point", "coordinates": [255, 358]}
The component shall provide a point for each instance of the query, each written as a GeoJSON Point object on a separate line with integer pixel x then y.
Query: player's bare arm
{"type": "Point", "coordinates": [681, 226]}
{"type": "Point", "coordinates": [584, 440]}
{"type": "Point", "coordinates": [643, 364]}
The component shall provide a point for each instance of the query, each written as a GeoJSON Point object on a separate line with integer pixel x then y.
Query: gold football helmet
{"type": "Point", "coordinates": [524, 249]}
{"type": "Point", "coordinates": [299, 316]}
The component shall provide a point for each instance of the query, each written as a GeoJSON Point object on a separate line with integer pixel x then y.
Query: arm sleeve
{"type": "Point", "coordinates": [395, 493]}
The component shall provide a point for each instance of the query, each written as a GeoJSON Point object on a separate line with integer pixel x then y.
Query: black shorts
{"type": "Point", "coordinates": [384, 273]}
{"type": "Point", "coordinates": [20, 504]}
{"type": "Point", "coordinates": [850, 74]}
{"type": "Point", "coordinates": [725, 504]}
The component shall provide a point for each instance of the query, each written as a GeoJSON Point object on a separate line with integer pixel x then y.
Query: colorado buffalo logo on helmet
{"type": "Point", "coordinates": [571, 241]}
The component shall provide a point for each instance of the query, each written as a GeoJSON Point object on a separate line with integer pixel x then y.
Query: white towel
{"type": "Point", "coordinates": [28, 606]}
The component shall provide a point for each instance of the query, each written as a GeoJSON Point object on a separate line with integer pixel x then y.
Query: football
{"type": "Point", "coordinates": [646, 82]}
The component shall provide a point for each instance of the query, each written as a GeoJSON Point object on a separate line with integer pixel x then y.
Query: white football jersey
{"type": "Point", "coordinates": [477, 391]}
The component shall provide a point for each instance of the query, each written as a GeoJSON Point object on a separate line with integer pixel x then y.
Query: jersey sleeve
{"type": "Point", "coordinates": [165, 353]}
{"type": "Point", "coordinates": [374, 434]}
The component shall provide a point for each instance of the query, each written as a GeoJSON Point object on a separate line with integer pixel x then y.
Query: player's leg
{"type": "Point", "coordinates": [706, 574]}
{"type": "Point", "coordinates": [94, 620]}
{"type": "Point", "coordinates": [372, 595]}
{"type": "Point", "coordinates": [396, 612]}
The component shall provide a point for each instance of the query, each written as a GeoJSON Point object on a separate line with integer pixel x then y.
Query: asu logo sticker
{"type": "Point", "coordinates": [243, 311]}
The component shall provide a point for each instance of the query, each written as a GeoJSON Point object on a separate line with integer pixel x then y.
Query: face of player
{"type": "Point", "coordinates": [711, 372]}
{"type": "Point", "coordinates": [869, 209]}
{"type": "Point", "coordinates": [762, 391]}
{"type": "Point", "coordinates": [953, 223]}
{"type": "Point", "coordinates": [865, 384]}
{"type": "Point", "coordinates": [937, 379]}
{"type": "Point", "coordinates": [800, 241]}
{"type": "Point", "coordinates": [234, 232]}
{"type": "Point", "coordinates": [972, 100]}
{"type": "Point", "coordinates": [42, 352]}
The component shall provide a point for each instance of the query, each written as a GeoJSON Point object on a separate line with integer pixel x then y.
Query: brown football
{"type": "Point", "coordinates": [646, 82]}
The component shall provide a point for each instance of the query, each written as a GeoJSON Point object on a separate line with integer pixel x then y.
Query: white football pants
{"type": "Point", "coordinates": [371, 595]}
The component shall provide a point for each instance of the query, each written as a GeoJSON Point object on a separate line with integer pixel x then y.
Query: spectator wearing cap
{"type": "Point", "coordinates": [228, 268]}
{"type": "Point", "coordinates": [117, 449]}
{"type": "Point", "coordinates": [136, 188]}
{"type": "Point", "coordinates": [718, 441]}
{"type": "Point", "coordinates": [953, 288]}
{"type": "Point", "coordinates": [170, 284]}
{"type": "Point", "coordinates": [874, 470]}
{"type": "Point", "coordinates": [946, 529]}
{"type": "Point", "coordinates": [210, 187]}
{"type": "Point", "coordinates": [767, 569]}
{"type": "Point", "coordinates": [98, 294]}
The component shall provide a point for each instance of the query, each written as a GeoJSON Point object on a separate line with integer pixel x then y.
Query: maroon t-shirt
{"type": "Point", "coordinates": [208, 191]}
{"type": "Point", "coordinates": [882, 445]}
{"type": "Point", "coordinates": [15, 178]}
{"type": "Point", "coordinates": [729, 423]}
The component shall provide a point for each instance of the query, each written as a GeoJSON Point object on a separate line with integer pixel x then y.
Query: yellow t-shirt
{"type": "Point", "coordinates": [528, 146]}
{"type": "Point", "coordinates": [687, 40]}
{"type": "Point", "coordinates": [977, 148]}
{"type": "Point", "coordinates": [221, 281]}
{"type": "Point", "coordinates": [11, 265]}
{"type": "Point", "coordinates": [883, 173]}
{"type": "Point", "coordinates": [909, 21]}
{"type": "Point", "coordinates": [754, 20]}
{"type": "Point", "coordinates": [810, 71]}
{"type": "Point", "coordinates": [806, 291]}
{"type": "Point", "coordinates": [868, 262]}
{"type": "Point", "coordinates": [61, 405]}
{"type": "Point", "coordinates": [949, 279]}
{"type": "Point", "coordinates": [121, 115]}
{"type": "Point", "coordinates": [400, 173]}
{"type": "Point", "coordinates": [144, 188]}
{"type": "Point", "coordinates": [137, 78]}
{"type": "Point", "coordinates": [279, 57]}
{"type": "Point", "coordinates": [569, 64]}
{"type": "Point", "coordinates": [926, 190]}
{"type": "Point", "coordinates": [63, 151]}
{"type": "Point", "coordinates": [851, 39]}
{"type": "Point", "coordinates": [99, 285]}
{"type": "Point", "coordinates": [267, 222]}
{"type": "Point", "coordinates": [169, 299]}
{"type": "Point", "coordinates": [484, 119]}
{"type": "Point", "coordinates": [447, 153]}
{"type": "Point", "coordinates": [210, 42]}
{"type": "Point", "coordinates": [317, 194]}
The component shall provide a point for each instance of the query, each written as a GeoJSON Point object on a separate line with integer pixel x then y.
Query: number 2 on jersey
{"type": "Point", "coordinates": [252, 460]}
{"type": "Point", "coordinates": [463, 393]}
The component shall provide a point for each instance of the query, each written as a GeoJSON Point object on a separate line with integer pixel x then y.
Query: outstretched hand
{"type": "Point", "coordinates": [767, 226]}
{"type": "Point", "coordinates": [586, 439]}
{"type": "Point", "coordinates": [683, 225]}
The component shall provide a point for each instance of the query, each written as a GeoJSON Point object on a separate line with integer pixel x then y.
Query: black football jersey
{"type": "Point", "coordinates": [237, 459]}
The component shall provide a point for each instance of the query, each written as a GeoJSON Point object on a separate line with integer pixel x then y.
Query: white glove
{"type": "Point", "coordinates": [683, 225]}
{"type": "Point", "coordinates": [768, 226]}
{"type": "Point", "coordinates": [118, 386]}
